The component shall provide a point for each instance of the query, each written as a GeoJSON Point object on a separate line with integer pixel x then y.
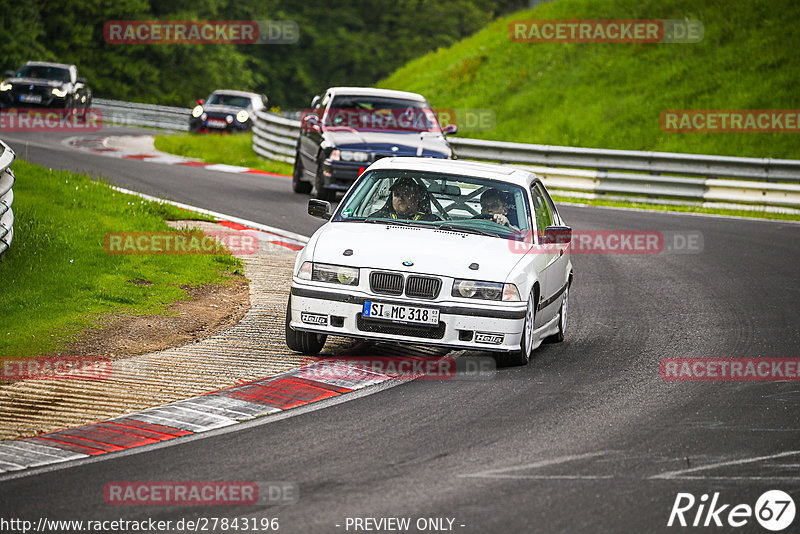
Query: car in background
{"type": "Point", "coordinates": [348, 128]}
{"type": "Point", "coordinates": [453, 274]}
{"type": "Point", "coordinates": [40, 84]}
{"type": "Point", "coordinates": [227, 111]}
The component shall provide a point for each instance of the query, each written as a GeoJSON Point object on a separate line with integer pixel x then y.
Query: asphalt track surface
{"type": "Point", "coordinates": [587, 438]}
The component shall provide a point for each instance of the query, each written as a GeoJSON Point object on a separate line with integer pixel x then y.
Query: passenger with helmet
{"type": "Point", "coordinates": [494, 206]}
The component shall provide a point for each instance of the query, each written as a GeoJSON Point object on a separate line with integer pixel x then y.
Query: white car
{"type": "Point", "coordinates": [437, 252]}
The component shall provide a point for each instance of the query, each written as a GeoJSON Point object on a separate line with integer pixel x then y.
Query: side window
{"type": "Point", "coordinates": [552, 205]}
{"type": "Point", "coordinates": [541, 208]}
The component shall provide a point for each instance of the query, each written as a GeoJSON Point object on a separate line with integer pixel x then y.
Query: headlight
{"type": "Point", "coordinates": [59, 93]}
{"type": "Point", "coordinates": [352, 155]}
{"type": "Point", "coordinates": [197, 111]}
{"type": "Point", "coordinates": [229, 119]}
{"type": "Point", "coordinates": [6, 86]}
{"type": "Point", "coordinates": [335, 154]}
{"type": "Point", "coordinates": [474, 289]}
{"type": "Point", "coordinates": [242, 116]}
{"type": "Point", "coordinates": [334, 274]}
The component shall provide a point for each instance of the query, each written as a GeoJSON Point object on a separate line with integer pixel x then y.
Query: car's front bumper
{"type": "Point", "coordinates": [218, 124]}
{"type": "Point", "coordinates": [460, 323]}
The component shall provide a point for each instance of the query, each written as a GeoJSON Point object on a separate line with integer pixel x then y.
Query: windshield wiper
{"type": "Point", "coordinates": [397, 222]}
{"type": "Point", "coordinates": [467, 230]}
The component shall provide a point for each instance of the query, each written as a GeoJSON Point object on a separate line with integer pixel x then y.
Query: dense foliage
{"type": "Point", "coordinates": [341, 43]}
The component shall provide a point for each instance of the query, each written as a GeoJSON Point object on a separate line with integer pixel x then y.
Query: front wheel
{"type": "Point", "coordinates": [320, 191]}
{"type": "Point", "coordinates": [298, 185]}
{"type": "Point", "coordinates": [306, 342]}
{"type": "Point", "coordinates": [523, 355]}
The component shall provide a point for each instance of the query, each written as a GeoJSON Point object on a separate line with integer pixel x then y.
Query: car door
{"type": "Point", "coordinates": [562, 259]}
{"type": "Point", "coordinates": [548, 277]}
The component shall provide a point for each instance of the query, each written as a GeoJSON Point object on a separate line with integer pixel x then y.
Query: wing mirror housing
{"type": "Point", "coordinates": [320, 209]}
{"type": "Point", "coordinates": [311, 123]}
{"type": "Point", "coordinates": [557, 235]}
{"type": "Point", "coordinates": [450, 129]}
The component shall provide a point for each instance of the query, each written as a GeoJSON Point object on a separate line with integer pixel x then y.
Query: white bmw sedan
{"type": "Point", "coordinates": [448, 253]}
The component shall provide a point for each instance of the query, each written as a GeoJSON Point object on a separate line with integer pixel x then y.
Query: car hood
{"type": "Point", "coordinates": [38, 82]}
{"type": "Point", "coordinates": [382, 142]}
{"type": "Point", "coordinates": [436, 252]}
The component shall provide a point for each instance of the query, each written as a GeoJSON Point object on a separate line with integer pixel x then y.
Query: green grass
{"type": "Point", "coordinates": [759, 214]}
{"type": "Point", "coordinates": [234, 149]}
{"type": "Point", "coordinates": [611, 95]}
{"type": "Point", "coordinates": [56, 278]}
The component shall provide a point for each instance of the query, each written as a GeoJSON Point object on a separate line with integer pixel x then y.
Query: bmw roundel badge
{"type": "Point", "coordinates": [408, 263]}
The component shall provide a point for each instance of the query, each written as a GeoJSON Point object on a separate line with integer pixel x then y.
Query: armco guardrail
{"type": "Point", "coordinates": [274, 137]}
{"type": "Point", "coordinates": [6, 197]}
{"type": "Point", "coordinates": [678, 178]}
{"type": "Point", "coordinates": [131, 113]}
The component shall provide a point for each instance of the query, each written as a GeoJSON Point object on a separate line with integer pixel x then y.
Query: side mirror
{"type": "Point", "coordinates": [557, 235]}
{"type": "Point", "coordinates": [320, 209]}
{"type": "Point", "coordinates": [9, 74]}
{"type": "Point", "coordinates": [200, 101]}
{"type": "Point", "coordinates": [311, 123]}
{"type": "Point", "coordinates": [82, 80]}
{"type": "Point", "coordinates": [315, 100]}
{"type": "Point", "coordinates": [450, 129]}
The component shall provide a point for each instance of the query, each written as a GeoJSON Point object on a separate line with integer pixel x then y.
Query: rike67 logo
{"type": "Point", "coordinates": [774, 510]}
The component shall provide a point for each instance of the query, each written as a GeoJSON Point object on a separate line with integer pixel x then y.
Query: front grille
{"type": "Point", "coordinates": [386, 283]}
{"type": "Point", "coordinates": [423, 287]}
{"type": "Point", "coordinates": [383, 327]}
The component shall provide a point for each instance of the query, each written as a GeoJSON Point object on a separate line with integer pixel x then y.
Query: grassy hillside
{"type": "Point", "coordinates": [611, 95]}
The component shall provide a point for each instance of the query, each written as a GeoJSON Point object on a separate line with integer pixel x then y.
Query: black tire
{"type": "Point", "coordinates": [298, 185]}
{"type": "Point", "coordinates": [320, 191]}
{"type": "Point", "coordinates": [525, 352]}
{"type": "Point", "coordinates": [563, 314]}
{"type": "Point", "coordinates": [306, 342]}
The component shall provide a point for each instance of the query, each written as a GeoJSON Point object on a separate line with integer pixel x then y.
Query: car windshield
{"type": "Point", "coordinates": [444, 201]}
{"type": "Point", "coordinates": [380, 113]}
{"type": "Point", "coordinates": [44, 72]}
{"type": "Point", "coordinates": [221, 99]}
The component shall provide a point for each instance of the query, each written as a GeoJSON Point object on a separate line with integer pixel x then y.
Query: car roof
{"type": "Point", "coordinates": [371, 91]}
{"type": "Point", "coordinates": [475, 169]}
{"type": "Point", "coordinates": [48, 64]}
{"type": "Point", "coordinates": [235, 93]}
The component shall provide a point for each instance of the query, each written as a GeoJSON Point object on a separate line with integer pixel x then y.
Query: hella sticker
{"type": "Point", "coordinates": [314, 318]}
{"type": "Point", "coordinates": [486, 337]}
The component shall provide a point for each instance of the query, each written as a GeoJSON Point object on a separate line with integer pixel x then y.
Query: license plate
{"type": "Point", "coordinates": [30, 98]}
{"type": "Point", "coordinates": [400, 313]}
{"type": "Point", "coordinates": [217, 123]}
